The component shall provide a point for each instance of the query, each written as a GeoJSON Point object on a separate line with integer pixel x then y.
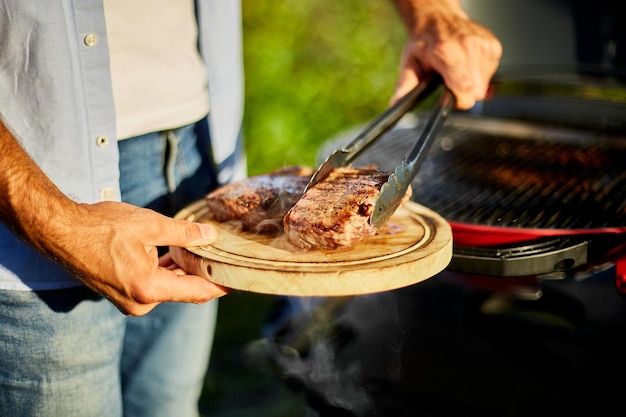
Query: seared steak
{"type": "Point", "coordinates": [257, 200]}
{"type": "Point", "coordinates": [335, 212]}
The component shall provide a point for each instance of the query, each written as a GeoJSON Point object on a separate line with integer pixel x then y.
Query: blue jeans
{"type": "Point", "coordinates": [70, 353]}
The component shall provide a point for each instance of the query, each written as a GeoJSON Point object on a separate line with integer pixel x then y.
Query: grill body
{"type": "Point", "coordinates": [532, 180]}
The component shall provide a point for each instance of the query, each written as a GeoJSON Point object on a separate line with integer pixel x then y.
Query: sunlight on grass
{"type": "Point", "coordinates": [313, 70]}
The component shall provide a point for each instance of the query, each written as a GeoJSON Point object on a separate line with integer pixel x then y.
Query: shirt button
{"type": "Point", "coordinates": [90, 39]}
{"type": "Point", "coordinates": [107, 194]}
{"type": "Point", "coordinates": [102, 141]}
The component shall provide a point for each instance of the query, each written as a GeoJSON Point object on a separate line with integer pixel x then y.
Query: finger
{"type": "Point", "coordinates": [178, 286]}
{"type": "Point", "coordinates": [470, 78]}
{"type": "Point", "coordinates": [182, 233]}
{"type": "Point", "coordinates": [405, 84]}
{"type": "Point", "coordinates": [128, 307]}
{"type": "Point", "coordinates": [167, 262]}
{"type": "Point", "coordinates": [459, 75]}
{"type": "Point", "coordinates": [461, 85]}
{"type": "Point", "coordinates": [165, 285]}
{"type": "Point", "coordinates": [489, 67]}
{"type": "Point", "coordinates": [408, 77]}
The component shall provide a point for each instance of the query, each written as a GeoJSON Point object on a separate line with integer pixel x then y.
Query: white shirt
{"type": "Point", "coordinates": [152, 42]}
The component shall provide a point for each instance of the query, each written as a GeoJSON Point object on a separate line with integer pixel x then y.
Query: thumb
{"type": "Point", "coordinates": [407, 79]}
{"type": "Point", "coordinates": [184, 233]}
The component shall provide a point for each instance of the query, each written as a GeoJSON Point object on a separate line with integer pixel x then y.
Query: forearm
{"type": "Point", "coordinates": [29, 202]}
{"type": "Point", "coordinates": [416, 14]}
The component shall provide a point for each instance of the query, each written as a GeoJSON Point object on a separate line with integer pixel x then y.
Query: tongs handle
{"type": "Point", "coordinates": [390, 117]}
{"type": "Point", "coordinates": [393, 191]}
{"type": "Point", "coordinates": [419, 151]}
{"type": "Point", "coordinates": [373, 131]}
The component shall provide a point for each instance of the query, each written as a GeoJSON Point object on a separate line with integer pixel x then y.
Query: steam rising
{"type": "Point", "coordinates": [314, 348]}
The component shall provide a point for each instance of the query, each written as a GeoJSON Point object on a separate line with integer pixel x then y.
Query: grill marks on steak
{"type": "Point", "coordinates": [259, 202]}
{"type": "Point", "coordinates": [335, 212]}
{"type": "Point", "coordinates": [332, 214]}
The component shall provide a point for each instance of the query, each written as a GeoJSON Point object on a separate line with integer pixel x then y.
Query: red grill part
{"type": "Point", "coordinates": [475, 235]}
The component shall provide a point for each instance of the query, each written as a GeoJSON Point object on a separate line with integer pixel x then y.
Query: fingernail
{"type": "Point", "coordinates": [207, 231]}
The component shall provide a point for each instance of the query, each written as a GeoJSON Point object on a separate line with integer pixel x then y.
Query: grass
{"type": "Point", "coordinates": [313, 70]}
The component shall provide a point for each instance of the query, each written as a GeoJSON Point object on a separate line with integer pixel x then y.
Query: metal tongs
{"type": "Point", "coordinates": [393, 191]}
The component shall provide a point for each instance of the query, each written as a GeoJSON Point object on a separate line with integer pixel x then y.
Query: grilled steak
{"type": "Point", "coordinates": [335, 212]}
{"type": "Point", "coordinates": [259, 202]}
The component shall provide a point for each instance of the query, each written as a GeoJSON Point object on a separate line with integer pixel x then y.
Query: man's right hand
{"type": "Point", "coordinates": [443, 39]}
{"type": "Point", "coordinates": [111, 247]}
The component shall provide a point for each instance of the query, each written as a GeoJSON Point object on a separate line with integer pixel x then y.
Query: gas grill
{"type": "Point", "coordinates": [532, 184]}
{"type": "Point", "coordinates": [526, 319]}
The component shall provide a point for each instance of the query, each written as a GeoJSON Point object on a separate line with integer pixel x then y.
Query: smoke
{"type": "Point", "coordinates": [323, 346]}
{"type": "Point", "coordinates": [318, 373]}
{"type": "Point", "coordinates": [342, 389]}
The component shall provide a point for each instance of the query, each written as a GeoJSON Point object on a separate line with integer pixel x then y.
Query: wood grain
{"type": "Point", "coordinates": [414, 245]}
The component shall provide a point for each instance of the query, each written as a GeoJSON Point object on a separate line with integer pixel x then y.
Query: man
{"type": "Point", "coordinates": [90, 95]}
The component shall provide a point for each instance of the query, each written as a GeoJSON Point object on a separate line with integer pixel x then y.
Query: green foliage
{"type": "Point", "coordinates": [313, 70]}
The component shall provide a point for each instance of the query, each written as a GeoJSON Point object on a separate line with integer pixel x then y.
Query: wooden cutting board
{"type": "Point", "coordinates": [415, 244]}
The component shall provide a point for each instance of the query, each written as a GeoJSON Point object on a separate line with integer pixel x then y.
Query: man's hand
{"type": "Point", "coordinates": [443, 39]}
{"type": "Point", "coordinates": [112, 248]}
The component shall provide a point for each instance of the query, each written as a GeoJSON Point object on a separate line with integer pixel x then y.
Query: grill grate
{"type": "Point", "coordinates": [501, 173]}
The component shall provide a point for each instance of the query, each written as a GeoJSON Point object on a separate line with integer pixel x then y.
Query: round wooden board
{"type": "Point", "coordinates": [415, 244]}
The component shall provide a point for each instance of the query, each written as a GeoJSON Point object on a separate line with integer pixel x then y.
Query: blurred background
{"type": "Point", "coordinates": [314, 69]}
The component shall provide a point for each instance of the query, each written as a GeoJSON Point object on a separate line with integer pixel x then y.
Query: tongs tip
{"type": "Point", "coordinates": [334, 160]}
{"type": "Point", "coordinates": [393, 192]}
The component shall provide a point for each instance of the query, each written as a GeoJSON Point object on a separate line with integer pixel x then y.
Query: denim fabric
{"type": "Point", "coordinates": [71, 353]}
{"type": "Point", "coordinates": [166, 171]}
{"type": "Point", "coordinates": [166, 355]}
{"type": "Point", "coordinates": [166, 352]}
{"type": "Point", "coordinates": [59, 354]}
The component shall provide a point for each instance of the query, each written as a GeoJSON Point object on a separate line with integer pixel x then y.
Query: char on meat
{"type": "Point", "coordinates": [257, 200]}
{"type": "Point", "coordinates": [335, 212]}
